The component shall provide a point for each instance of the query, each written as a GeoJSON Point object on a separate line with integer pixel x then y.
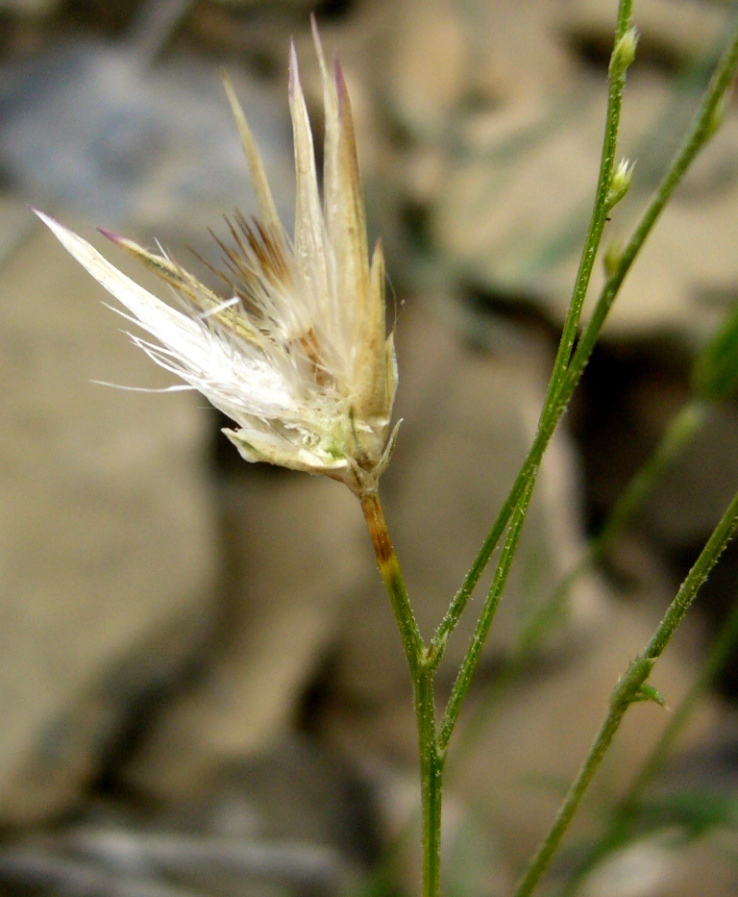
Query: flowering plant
{"type": "Point", "coordinates": [296, 352]}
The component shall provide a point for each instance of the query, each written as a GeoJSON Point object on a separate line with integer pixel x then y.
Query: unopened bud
{"type": "Point", "coordinates": [619, 183]}
{"type": "Point", "coordinates": [624, 52]}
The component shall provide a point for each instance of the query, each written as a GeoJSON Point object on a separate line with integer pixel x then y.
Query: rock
{"type": "Point", "coordinates": [15, 225]}
{"type": "Point", "coordinates": [293, 821]}
{"type": "Point", "coordinates": [295, 554]}
{"type": "Point", "coordinates": [427, 70]}
{"type": "Point", "coordinates": [665, 35]}
{"type": "Point", "coordinates": [104, 137]}
{"type": "Point", "coordinates": [496, 162]}
{"type": "Point", "coordinates": [514, 223]}
{"type": "Point", "coordinates": [454, 59]}
{"type": "Point", "coordinates": [106, 530]}
{"type": "Point", "coordinates": [664, 866]}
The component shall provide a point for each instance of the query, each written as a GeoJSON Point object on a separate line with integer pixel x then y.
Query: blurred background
{"type": "Point", "coordinates": [202, 691]}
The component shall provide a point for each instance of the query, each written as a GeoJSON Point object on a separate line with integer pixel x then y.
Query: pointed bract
{"type": "Point", "coordinates": [295, 350]}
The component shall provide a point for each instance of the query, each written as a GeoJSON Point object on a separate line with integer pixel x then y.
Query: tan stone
{"type": "Point", "coordinates": [295, 552]}
{"type": "Point", "coordinates": [664, 865]}
{"type": "Point", "coordinates": [106, 527]}
{"type": "Point", "coordinates": [515, 222]}
{"type": "Point", "coordinates": [666, 32]}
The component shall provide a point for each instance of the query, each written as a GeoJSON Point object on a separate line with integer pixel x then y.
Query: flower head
{"type": "Point", "coordinates": [295, 350]}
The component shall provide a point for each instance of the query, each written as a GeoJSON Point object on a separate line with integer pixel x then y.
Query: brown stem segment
{"type": "Point", "coordinates": [389, 569]}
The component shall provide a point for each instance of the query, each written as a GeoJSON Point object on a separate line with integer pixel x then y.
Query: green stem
{"type": "Point", "coordinates": [711, 666]}
{"type": "Point", "coordinates": [471, 659]}
{"type": "Point", "coordinates": [625, 692]}
{"type": "Point", "coordinates": [703, 127]}
{"type": "Point", "coordinates": [553, 408]}
{"type": "Point", "coordinates": [601, 208]}
{"type": "Point", "coordinates": [431, 779]}
{"type": "Point", "coordinates": [697, 575]}
{"type": "Point", "coordinates": [628, 690]}
{"type": "Point", "coordinates": [422, 673]}
{"type": "Point", "coordinates": [621, 820]}
{"type": "Point", "coordinates": [678, 435]}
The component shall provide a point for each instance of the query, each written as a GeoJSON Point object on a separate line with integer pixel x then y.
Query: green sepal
{"type": "Point", "coordinates": [648, 693]}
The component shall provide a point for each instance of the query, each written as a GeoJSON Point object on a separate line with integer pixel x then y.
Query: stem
{"type": "Point", "coordinates": [703, 127]}
{"type": "Point", "coordinates": [422, 673]}
{"type": "Point", "coordinates": [471, 659]}
{"type": "Point", "coordinates": [677, 437]}
{"type": "Point", "coordinates": [601, 206]}
{"type": "Point", "coordinates": [628, 690]}
{"type": "Point", "coordinates": [553, 407]}
{"type": "Point", "coordinates": [696, 576]}
{"type": "Point", "coordinates": [625, 692]}
{"type": "Point", "coordinates": [620, 822]}
{"type": "Point", "coordinates": [394, 583]}
{"type": "Point", "coordinates": [431, 782]}
{"type": "Point", "coordinates": [711, 666]}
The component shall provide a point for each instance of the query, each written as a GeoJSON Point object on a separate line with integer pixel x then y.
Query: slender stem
{"type": "Point", "coordinates": [431, 782]}
{"type": "Point", "coordinates": [540, 621]}
{"type": "Point", "coordinates": [696, 576]}
{"type": "Point", "coordinates": [601, 206]}
{"type": "Point", "coordinates": [526, 477]}
{"type": "Point", "coordinates": [422, 675]}
{"type": "Point", "coordinates": [677, 437]}
{"type": "Point", "coordinates": [703, 127]}
{"type": "Point", "coordinates": [389, 570]}
{"type": "Point", "coordinates": [628, 690]}
{"type": "Point", "coordinates": [624, 693]}
{"type": "Point", "coordinates": [620, 822]}
{"type": "Point", "coordinates": [711, 666]}
{"type": "Point", "coordinates": [553, 407]}
{"type": "Point", "coordinates": [469, 665]}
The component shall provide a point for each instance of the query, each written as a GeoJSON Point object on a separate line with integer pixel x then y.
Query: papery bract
{"type": "Point", "coordinates": [296, 350]}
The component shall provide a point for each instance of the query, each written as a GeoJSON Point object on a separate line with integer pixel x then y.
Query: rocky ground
{"type": "Point", "coordinates": [201, 688]}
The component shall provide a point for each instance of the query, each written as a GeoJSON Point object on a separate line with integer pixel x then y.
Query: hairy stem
{"type": "Point", "coordinates": [557, 396]}
{"type": "Point", "coordinates": [630, 689]}
{"type": "Point", "coordinates": [422, 675]}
